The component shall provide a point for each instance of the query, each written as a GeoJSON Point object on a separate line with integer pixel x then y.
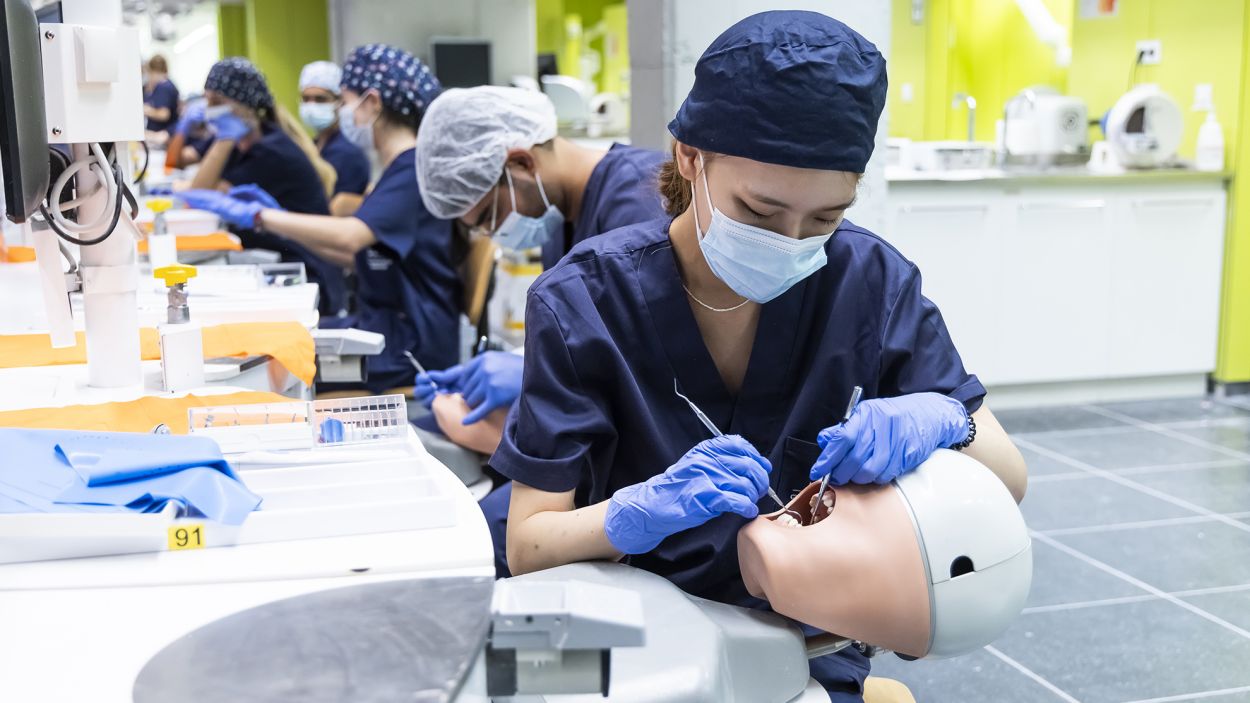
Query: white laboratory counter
{"type": "Point", "coordinates": [1070, 286]}
{"type": "Point", "coordinates": [82, 629]}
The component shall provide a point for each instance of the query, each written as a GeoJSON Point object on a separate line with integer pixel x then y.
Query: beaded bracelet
{"type": "Point", "coordinates": [972, 435]}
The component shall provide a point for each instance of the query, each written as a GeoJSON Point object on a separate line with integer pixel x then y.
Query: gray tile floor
{"type": "Point", "coordinates": [1140, 514]}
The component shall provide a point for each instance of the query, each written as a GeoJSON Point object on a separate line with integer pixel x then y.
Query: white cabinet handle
{"type": "Point", "coordinates": [917, 209]}
{"type": "Point", "coordinates": [1173, 202]}
{"type": "Point", "coordinates": [1064, 205]}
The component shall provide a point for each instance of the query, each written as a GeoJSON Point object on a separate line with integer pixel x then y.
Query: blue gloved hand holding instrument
{"type": "Point", "coordinates": [884, 438]}
{"type": "Point", "coordinates": [191, 117]}
{"type": "Point", "coordinates": [252, 193]}
{"type": "Point", "coordinates": [725, 474]}
{"type": "Point", "coordinates": [227, 126]}
{"type": "Point", "coordinates": [236, 211]}
{"type": "Point", "coordinates": [425, 388]}
{"type": "Point", "coordinates": [720, 475]}
{"type": "Point", "coordinates": [491, 380]}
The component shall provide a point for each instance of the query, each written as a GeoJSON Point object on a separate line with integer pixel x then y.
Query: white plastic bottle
{"type": "Point", "coordinates": [1210, 151]}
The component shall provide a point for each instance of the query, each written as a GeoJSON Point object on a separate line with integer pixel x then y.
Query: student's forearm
{"type": "Point", "coordinates": [335, 239]}
{"type": "Point", "coordinates": [995, 449]}
{"type": "Point", "coordinates": [554, 538]}
{"type": "Point", "coordinates": [213, 165]}
{"type": "Point", "coordinates": [345, 204]}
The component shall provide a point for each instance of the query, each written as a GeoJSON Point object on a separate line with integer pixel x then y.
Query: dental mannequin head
{"type": "Point", "coordinates": [936, 564]}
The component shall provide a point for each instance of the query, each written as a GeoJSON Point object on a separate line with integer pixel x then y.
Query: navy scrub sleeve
{"type": "Point", "coordinates": [623, 190]}
{"type": "Point", "coordinates": [407, 287]}
{"type": "Point", "coordinates": [349, 162]}
{"type": "Point", "coordinates": [277, 164]}
{"type": "Point", "coordinates": [163, 94]}
{"type": "Point", "coordinates": [610, 328]}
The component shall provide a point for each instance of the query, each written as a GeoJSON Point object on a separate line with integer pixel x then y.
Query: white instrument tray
{"type": "Point", "coordinates": [323, 492]}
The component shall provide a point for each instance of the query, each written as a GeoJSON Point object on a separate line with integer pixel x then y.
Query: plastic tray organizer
{"type": "Point", "coordinates": [303, 424]}
{"type": "Point", "coordinates": [328, 468]}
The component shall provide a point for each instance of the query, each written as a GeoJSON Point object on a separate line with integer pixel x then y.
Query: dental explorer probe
{"type": "Point", "coordinates": [856, 394]}
{"type": "Point", "coordinates": [420, 369]}
{"type": "Point", "coordinates": [711, 427]}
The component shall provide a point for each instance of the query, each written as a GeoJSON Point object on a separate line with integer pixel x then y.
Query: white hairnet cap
{"type": "Point", "coordinates": [321, 74]}
{"type": "Point", "coordinates": [464, 140]}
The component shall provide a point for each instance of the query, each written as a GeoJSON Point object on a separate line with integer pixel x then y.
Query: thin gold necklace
{"type": "Point", "coordinates": [695, 298]}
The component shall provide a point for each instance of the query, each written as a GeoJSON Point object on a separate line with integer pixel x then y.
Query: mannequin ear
{"type": "Point", "coordinates": [521, 158]}
{"type": "Point", "coordinates": [687, 159]}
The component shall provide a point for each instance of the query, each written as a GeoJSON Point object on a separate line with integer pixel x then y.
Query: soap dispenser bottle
{"type": "Point", "coordinates": [1209, 155]}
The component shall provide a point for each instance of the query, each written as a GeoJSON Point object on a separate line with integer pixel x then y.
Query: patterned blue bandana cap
{"type": "Point", "coordinates": [237, 79]}
{"type": "Point", "coordinates": [405, 84]}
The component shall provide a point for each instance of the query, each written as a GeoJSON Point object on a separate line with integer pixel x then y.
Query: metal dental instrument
{"type": "Point", "coordinates": [420, 369]}
{"type": "Point", "coordinates": [856, 393]}
{"type": "Point", "coordinates": [711, 427]}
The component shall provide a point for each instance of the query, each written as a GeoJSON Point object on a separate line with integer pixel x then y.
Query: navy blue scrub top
{"type": "Point", "coordinates": [163, 94]}
{"type": "Point", "coordinates": [277, 164]}
{"type": "Point", "coordinates": [610, 327]}
{"type": "Point", "coordinates": [349, 161]}
{"type": "Point", "coordinates": [623, 190]}
{"type": "Point", "coordinates": [406, 284]}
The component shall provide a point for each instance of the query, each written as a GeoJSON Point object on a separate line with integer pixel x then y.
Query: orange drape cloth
{"type": "Point", "coordinates": [288, 343]}
{"type": "Point", "coordinates": [140, 415]}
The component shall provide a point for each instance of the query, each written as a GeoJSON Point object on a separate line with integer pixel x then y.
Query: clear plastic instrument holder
{"type": "Point", "coordinates": [303, 424]}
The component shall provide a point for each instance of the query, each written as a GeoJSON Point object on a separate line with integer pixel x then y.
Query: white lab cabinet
{"type": "Point", "coordinates": [1070, 280]}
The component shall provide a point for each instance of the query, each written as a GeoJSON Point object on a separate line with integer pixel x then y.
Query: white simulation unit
{"type": "Point", "coordinates": [92, 85]}
{"type": "Point", "coordinates": [1145, 128]}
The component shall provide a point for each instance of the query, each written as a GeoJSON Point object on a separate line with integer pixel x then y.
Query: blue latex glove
{"type": "Point", "coordinates": [237, 212]}
{"type": "Point", "coordinates": [252, 193]}
{"type": "Point", "coordinates": [191, 117]}
{"type": "Point", "coordinates": [887, 437]}
{"type": "Point", "coordinates": [491, 380]}
{"type": "Point", "coordinates": [229, 127]}
{"type": "Point", "coordinates": [719, 475]}
{"type": "Point", "coordinates": [423, 389]}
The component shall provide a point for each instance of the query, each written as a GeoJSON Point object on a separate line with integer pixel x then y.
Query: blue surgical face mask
{"type": "Point", "coordinates": [519, 232]}
{"type": "Point", "coordinates": [758, 264]}
{"type": "Point", "coordinates": [213, 112]}
{"type": "Point", "coordinates": [319, 116]}
{"type": "Point", "coordinates": [360, 135]}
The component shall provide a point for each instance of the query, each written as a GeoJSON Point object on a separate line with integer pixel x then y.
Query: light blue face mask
{"type": "Point", "coordinates": [519, 232]}
{"type": "Point", "coordinates": [758, 264]}
{"type": "Point", "coordinates": [360, 135]}
{"type": "Point", "coordinates": [319, 116]}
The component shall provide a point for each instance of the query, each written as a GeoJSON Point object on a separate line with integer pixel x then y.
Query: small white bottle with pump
{"type": "Point", "coordinates": [1209, 154]}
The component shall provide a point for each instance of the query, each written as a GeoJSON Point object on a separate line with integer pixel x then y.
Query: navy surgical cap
{"type": "Point", "coordinates": [786, 87]}
{"type": "Point", "coordinates": [237, 79]}
{"type": "Point", "coordinates": [405, 84]}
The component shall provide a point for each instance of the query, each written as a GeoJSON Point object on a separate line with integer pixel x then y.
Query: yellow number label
{"type": "Point", "coordinates": [186, 537]}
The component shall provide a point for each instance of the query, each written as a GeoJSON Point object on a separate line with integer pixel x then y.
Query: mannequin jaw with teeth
{"type": "Point", "coordinates": [806, 514]}
{"type": "Point", "coordinates": [859, 538]}
{"type": "Point", "coordinates": [936, 563]}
